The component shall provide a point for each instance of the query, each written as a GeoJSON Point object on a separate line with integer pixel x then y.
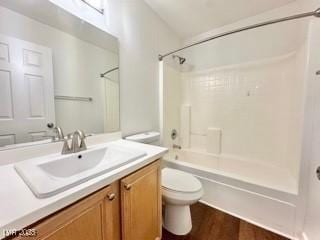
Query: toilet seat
{"type": "Point", "coordinates": [181, 182]}
{"type": "Point", "coordinates": [180, 198]}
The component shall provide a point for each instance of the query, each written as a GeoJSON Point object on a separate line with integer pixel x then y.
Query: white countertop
{"type": "Point", "coordinates": [20, 208]}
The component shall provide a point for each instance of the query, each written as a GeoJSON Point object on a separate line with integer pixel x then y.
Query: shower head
{"type": "Point", "coordinates": [181, 59]}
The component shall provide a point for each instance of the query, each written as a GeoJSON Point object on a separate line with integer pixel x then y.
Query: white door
{"type": "Point", "coordinates": [26, 91]}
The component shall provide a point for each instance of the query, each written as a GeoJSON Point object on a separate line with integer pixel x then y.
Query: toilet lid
{"type": "Point", "coordinates": [179, 181]}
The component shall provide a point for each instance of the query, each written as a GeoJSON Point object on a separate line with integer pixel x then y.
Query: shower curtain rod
{"type": "Point", "coordinates": [109, 71]}
{"type": "Point", "coordinates": [315, 13]}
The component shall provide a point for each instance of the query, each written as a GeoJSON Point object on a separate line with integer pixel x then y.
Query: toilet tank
{"type": "Point", "coordinates": [152, 138]}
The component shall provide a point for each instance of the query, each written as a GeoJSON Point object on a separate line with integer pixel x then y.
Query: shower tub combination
{"type": "Point", "coordinates": [263, 195]}
{"type": "Point", "coordinates": [243, 97]}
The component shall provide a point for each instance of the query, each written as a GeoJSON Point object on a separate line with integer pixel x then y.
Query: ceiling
{"type": "Point", "coordinates": [191, 17]}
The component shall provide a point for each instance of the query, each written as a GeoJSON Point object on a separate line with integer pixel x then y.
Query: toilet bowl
{"type": "Point", "coordinates": [179, 191]}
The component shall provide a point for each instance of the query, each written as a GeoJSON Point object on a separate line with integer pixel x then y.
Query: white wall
{"type": "Point", "coordinates": [142, 36]}
{"type": "Point", "coordinates": [260, 43]}
{"type": "Point", "coordinates": [310, 185]}
{"type": "Point", "coordinates": [71, 71]}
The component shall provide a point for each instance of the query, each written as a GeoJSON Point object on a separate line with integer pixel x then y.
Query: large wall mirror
{"type": "Point", "coordinates": [55, 70]}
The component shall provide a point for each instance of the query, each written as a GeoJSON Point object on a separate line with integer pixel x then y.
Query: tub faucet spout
{"type": "Point", "coordinates": [175, 146]}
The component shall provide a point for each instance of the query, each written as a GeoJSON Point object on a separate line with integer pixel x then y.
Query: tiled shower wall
{"type": "Point", "coordinates": [258, 106]}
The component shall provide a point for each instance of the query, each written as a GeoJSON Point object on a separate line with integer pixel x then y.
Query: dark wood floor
{"type": "Point", "coordinates": [211, 224]}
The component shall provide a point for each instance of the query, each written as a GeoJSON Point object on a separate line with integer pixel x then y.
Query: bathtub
{"type": "Point", "coordinates": [260, 194]}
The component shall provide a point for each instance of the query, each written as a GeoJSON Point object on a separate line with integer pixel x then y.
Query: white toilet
{"type": "Point", "coordinates": [179, 191]}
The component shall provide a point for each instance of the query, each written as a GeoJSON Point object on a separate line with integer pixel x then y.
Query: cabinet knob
{"type": "Point", "coordinates": [127, 186]}
{"type": "Point", "coordinates": [111, 196]}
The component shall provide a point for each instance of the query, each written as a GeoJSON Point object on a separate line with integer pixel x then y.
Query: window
{"type": "Point", "coordinates": [95, 4]}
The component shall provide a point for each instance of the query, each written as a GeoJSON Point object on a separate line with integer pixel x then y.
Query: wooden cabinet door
{"type": "Point", "coordinates": [96, 217]}
{"type": "Point", "coordinates": [141, 204]}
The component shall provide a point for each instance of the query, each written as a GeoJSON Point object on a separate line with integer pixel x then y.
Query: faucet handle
{"type": "Point", "coordinates": [82, 136]}
{"type": "Point", "coordinates": [83, 145]}
{"type": "Point", "coordinates": [66, 149]}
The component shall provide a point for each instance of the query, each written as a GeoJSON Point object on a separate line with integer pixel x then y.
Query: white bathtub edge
{"type": "Point", "coordinates": [217, 177]}
{"type": "Point", "coordinates": [264, 210]}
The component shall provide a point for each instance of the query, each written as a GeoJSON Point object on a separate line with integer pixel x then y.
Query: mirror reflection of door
{"type": "Point", "coordinates": [26, 91]}
{"type": "Point", "coordinates": [50, 72]}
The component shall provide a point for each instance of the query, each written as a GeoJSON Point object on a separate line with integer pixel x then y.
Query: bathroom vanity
{"type": "Point", "coordinates": [121, 203]}
{"type": "Point", "coordinates": [129, 207]}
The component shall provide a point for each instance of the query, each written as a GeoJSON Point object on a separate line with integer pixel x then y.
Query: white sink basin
{"type": "Point", "coordinates": [47, 176]}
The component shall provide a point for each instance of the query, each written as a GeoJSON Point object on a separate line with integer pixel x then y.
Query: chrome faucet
{"type": "Point", "coordinates": [76, 145]}
{"type": "Point", "coordinates": [59, 133]}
